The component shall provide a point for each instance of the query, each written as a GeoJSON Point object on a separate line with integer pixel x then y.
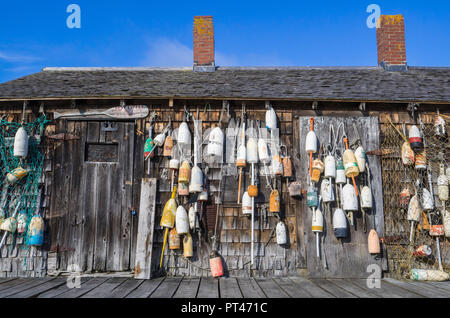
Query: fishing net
{"type": "Point", "coordinates": [21, 198]}
{"type": "Point", "coordinates": [403, 254]}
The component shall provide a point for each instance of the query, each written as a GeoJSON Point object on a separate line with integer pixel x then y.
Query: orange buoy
{"type": "Point", "coordinates": [174, 240]}
{"type": "Point", "coordinates": [274, 205]}
{"type": "Point", "coordinates": [374, 242]}
{"type": "Point", "coordinates": [215, 264]}
{"type": "Point", "coordinates": [252, 191]}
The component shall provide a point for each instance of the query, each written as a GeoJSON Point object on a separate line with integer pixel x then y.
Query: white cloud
{"type": "Point", "coordinates": [170, 53]}
{"type": "Point", "coordinates": [17, 58]}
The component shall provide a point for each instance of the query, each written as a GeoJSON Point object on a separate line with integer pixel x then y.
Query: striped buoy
{"type": "Point", "coordinates": [415, 138]}
{"type": "Point", "coordinates": [429, 275]}
{"type": "Point", "coordinates": [317, 228]}
{"type": "Point", "coordinates": [421, 160]}
{"type": "Point", "coordinates": [340, 225]}
{"type": "Point", "coordinates": [360, 156]}
{"type": "Point", "coordinates": [340, 173]}
{"type": "Point", "coordinates": [350, 164]}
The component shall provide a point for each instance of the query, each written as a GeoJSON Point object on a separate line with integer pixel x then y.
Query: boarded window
{"type": "Point", "coordinates": [102, 152]}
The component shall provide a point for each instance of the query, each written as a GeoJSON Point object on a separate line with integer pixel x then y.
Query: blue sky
{"type": "Point", "coordinates": [248, 33]}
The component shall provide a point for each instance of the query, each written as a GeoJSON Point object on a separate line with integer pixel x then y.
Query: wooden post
{"type": "Point", "coordinates": [146, 224]}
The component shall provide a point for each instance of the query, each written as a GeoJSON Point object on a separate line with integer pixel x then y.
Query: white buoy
{"type": "Point", "coordinates": [340, 225]}
{"type": "Point", "coordinates": [263, 151]}
{"type": "Point", "coordinates": [193, 219]}
{"type": "Point", "coordinates": [442, 185]}
{"type": "Point", "coordinates": [366, 198]}
{"type": "Point", "coordinates": [439, 127]}
{"type": "Point", "coordinates": [21, 143]}
{"type": "Point", "coordinates": [271, 119]}
{"type": "Point", "coordinates": [159, 140]}
{"type": "Point", "coordinates": [252, 150]}
{"type": "Point", "coordinates": [427, 200]}
{"type": "Point", "coordinates": [174, 164]}
{"type": "Point", "coordinates": [182, 221]}
{"type": "Point", "coordinates": [215, 145]}
{"type": "Point", "coordinates": [184, 135]}
{"type": "Point", "coordinates": [311, 144]}
{"type": "Point", "coordinates": [330, 167]}
{"type": "Point", "coordinates": [413, 214]}
{"type": "Point", "coordinates": [246, 204]}
{"type": "Point", "coordinates": [349, 198]}
{"type": "Point", "coordinates": [360, 155]}
{"type": "Point", "coordinates": [408, 156]}
{"type": "Point", "coordinates": [326, 191]}
{"type": "Point", "coordinates": [196, 185]}
{"type": "Point", "coordinates": [317, 228]}
{"type": "Point", "coordinates": [415, 138]}
{"type": "Point", "coordinates": [281, 233]}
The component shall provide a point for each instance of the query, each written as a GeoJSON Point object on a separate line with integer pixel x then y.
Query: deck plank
{"type": "Point", "coordinates": [167, 289]}
{"type": "Point", "coordinates": [271, 289]}
{"type": "Point", "coordinates": [229, 288]}
{"type": "Point", "coordinates": [12, 283]}
{"type": "Point", "coordinates": [30, 283]}
{"type": "Point", "coordinates": [39, 289]}
{"type": "Point", "coordinates": [84, 288]}
{"type": "Point", "coordinates": [5, 280]}
{"type": "Point", "coordinates": [333, 289]}
{"type": "Point", "coordinates": [60, 290]}
{"type": "Point", "coordinates": [312, 289]}
{"type": "Point", "coordinates": [125, 288]}
{"type": "Point", "coordinates": [420, 289]}
{"type": "Point", "coordinates": [106, 289]}
{"type": "Point", "coordinates": [354, 289]}
{"type": "Point", "coordinates": [209, 288]}
{"type": "Point", "coordinates": [146, 288]}
{"type": "Point", "coordinates": [289, 287]}
{"type": "Point", "coordinates": [441, 285]}
{"type": "Point", "coordinates": [250, 289]}
{"type": "Point", "coordinates": [387, 290]}
{"type": "Point", "coordinates": [188, 288]}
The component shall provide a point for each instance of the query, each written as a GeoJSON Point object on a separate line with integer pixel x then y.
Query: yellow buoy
{"type": "Point", "coordinates": [188, 246]}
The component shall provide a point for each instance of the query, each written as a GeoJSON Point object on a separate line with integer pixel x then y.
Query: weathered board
{"type": "Point", "coordinates": [349, 258]}
{"type": "Point", "coordinates": [142, 269]}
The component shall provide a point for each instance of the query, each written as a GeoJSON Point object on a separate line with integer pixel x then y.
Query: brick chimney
{"type": "Point", "coordinates": [391, 42]}
{"type": "Point", "coordinates": [204, 55]}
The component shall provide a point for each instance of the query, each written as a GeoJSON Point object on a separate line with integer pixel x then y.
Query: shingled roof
{"type": "Point", "coordinates": [418, 84]}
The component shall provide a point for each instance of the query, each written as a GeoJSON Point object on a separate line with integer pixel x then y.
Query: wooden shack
{"type": "Point", "coordinates": [94, 166]}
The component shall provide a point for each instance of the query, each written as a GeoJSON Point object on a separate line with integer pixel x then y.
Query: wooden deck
{"type": "Point", "coordinates": [289, 287]}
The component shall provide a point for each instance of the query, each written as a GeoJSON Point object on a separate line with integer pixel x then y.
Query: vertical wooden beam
{"type": "Point", "coordinates": [146, 224]}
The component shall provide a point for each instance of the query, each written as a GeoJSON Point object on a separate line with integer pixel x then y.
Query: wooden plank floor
{"type": "Point", "coordinates": [188, 287]}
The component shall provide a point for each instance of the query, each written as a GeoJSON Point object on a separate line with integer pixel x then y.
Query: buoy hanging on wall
{"type": "Point", "coordinates": [188, 246]}
{"type": "Point", "coordinates": [168, 147]}
{"type": "Point", "coordinates": [9, 225]}
{"type": "Point", "coordinates": [317, 228]}
{"type": "Point", "coordinates": [414, 212]}
{"type": "Point", "coordinates": [184, 135]}
{"type": "Point", "coordinates": [252, 150]}
{"type": "Point", "coordinates": [21, 143]}
{"type": "Point", "coordinates": [182, 221]}
{"type": "Point", "coordinates": [215, 145]}
{"type": "Point", "coordinates": [215, 264]}
{"type": "Point", "coordinates": [271, 119]}
{"type": "Point", "coordinates": [366, 198]}
{"type": "Point", "coordinates": [196, 184]}
{"type": "Point", "coordinates": [16, 175]}
{"type": "Point", "coordinates": [442, 185]}
{"type": "Point", "coordinates": [169, 212]}
{"type": "Point", "coordinates": [326, 191]}
{"type": "Point", "coordinates": [330, 167]}
{"type": "Point", "coordinates": [36, 231]}
{"type": "Point", "coordinates": [350, 200]}
{"type": "Point", "coordinates": [274, 204]}
{"type": "Point", "coordinates": [185, 173]}
{"type": "Point", "coordinates": [340, 173]}
{"type": "Point", "coordinates": [277, 165]}
{"type": "Point", "coordinates": [408, 156]}
{"type": "Point", "coordinates": [421, 160]}
{"type": "Point", "coordinates": [360, 156]}
{"type": "Point", "coordinates": [415, 138]}
{"type": "Point", "coordinates": [340, 225]}
{"type": "Point", "coordinates": [159, 140]}
{"type": "Point", "coordinates": [312, 197]}
{"type": "Point", "coordinates": [439, 127]}
{"type": "Point", "coordinates": [427, 200]}
{"type": "Point", "coordinates": [22, 222]}
{"type": "Point", "coordinates": [174, 240]}
{"type": "Point", "coordinates": [405, 197]}
{"type": "Point", "coordinates": [350, 164]}
{"type": "Point", "coordinates": [246, 204]}
{"type": "Point", "coordinates": [193, 219]}
{"type": "Point", "coordinates": [374, 242]}
{"type": "Point", "coordinates": [281, 233]}
{"type": "Point", "coordinates": [263, 151]}
{"type": "Point", "coordinates": [183, 189]}
{"type": "Point", "coordinates": [317, 170]}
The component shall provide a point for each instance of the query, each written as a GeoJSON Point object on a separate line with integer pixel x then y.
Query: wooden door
{"type": "Point", "coordinates": [90, 223]}
{"type": "Point", "coordinates": [349, 258]}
